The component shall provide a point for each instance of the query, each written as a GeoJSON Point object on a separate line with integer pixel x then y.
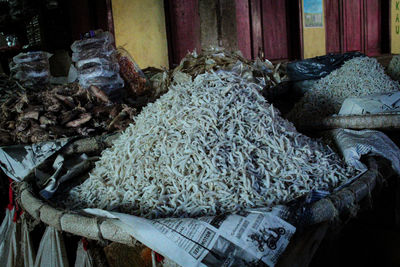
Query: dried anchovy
{"type": "Point", "coordinates": [360, 76]}
{"type": "Point", "coordinates": [208, 146]}
{"type": "Point", "coordinates": [394, 68]}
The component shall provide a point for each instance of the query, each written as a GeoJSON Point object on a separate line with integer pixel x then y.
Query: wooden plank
{"type": "Point", "coordinates": [256, 29]}
{"type": "Point", "coordinates": [373, 27]}
{"type": "Point", "coordinates": [353, 25]}
{"type": "Point", "coordinates": [227, 17]}
{"type": "Point", "coordinates": [332, 22]}
{"type": "Point", "coordinates": [274, 26]}
{"type": "Point", "coordinates": [243, 27]}
{"type": "Point", "coordinates": [185, 28]}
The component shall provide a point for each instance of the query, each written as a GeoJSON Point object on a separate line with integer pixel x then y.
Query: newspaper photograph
{"type": "Point", "coordinates": [245, 239]}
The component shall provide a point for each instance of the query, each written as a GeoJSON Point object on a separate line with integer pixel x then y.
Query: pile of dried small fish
{"type": "Point", "coordinates": [68, 110]}
{"type": "Point", "coordinates": [394, 68]}
{"type": "Point", "coordinates": [360, 76]}
{"type": "Point", "coordinates": [208, 146]}
{"type": "Point", "coordinates": [263, 72]}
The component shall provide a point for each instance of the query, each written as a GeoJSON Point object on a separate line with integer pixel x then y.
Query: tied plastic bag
{"type": "Point", "coordinates": [10, 251]}
{"type": "Point", "coordinates": [27, 250]}
{"type": "Point", "coordinates": [101, 41]}
{"type": "Point", "coordinates": [52, 250]}
{"type": "Point", "coordinates": [5, 225]}
{"type": "Point", "coordinates": [83, 258]}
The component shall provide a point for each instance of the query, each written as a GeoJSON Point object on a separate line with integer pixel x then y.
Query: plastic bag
{"type": "Point", "coordinates": [105, 52]}
{"type": "Point", "coordinates": [10, 251]}
{"type": "Point", "coordinates": [31, 56]}
{"type": "Point", "coordinates": [107, 84]}
{"type": "Point", "coordinates": [83, 258]}
{"type": "Point", "coordinates": [131, 73]}
{"type": "Point", "coordinates": [318, 67]}
{"type": "Point", "coordinates": [52, 250]}
{"type": "Point", "coordinates": [106, 70]}
{"type": "Point", "coordinates": [100, 41]}
{"type": "Point", "coordinates": [93, 62]}
{"type": "Point", "coordinates": [26, 244]}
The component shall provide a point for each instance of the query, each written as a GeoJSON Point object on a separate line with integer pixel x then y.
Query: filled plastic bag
{"type": "Point", "coordinates": [83, 258]}
{"type": "Point", "coordinates": [51, 250]}
{"type": "Point", "coordinates": [318, 67]}
{"type": "Point", "coordinates": [106, 70]}
{"type": "Point", "coordinates": [94, 62]}
{"type": "Point", "coordinates": [10, 251]}
{"type": "Point", "coordinates": [105, 52]}
{"type": "Point", "coordinates": [101, 41]}
{"type": "Point", "coordinates": [27, 250]}
{"type": "Point", "coordinates": [133, 76]}
{"type": "Point", "coordinates": [31, 56]}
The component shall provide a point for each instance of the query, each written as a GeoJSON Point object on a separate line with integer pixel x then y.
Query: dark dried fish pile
{"type": "Point", "coordinates": [8, 87]}
{"type": "Point", "coordinates": [63, 111]}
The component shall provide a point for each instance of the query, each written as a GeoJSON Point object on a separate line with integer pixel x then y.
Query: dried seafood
{"type": "Point", "coordinates": [209, 145]}
{"type": "Point", "coordinates": [68, 110]}
{"type": "Point", "coordinates": [360, 76]}
{"type": "Point", "coordinates": [394, 68]}
{"type": "Point", "coordinates": [263, 72]}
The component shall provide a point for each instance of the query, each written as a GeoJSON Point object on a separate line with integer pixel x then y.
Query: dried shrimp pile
{"type": "Point", "coordinates": [360, 76]}
{"type": "Point", "coordinates": [209, 145]}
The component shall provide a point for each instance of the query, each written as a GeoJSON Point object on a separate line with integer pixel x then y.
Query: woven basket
{"type": "Point", "coordinates": [104, 229]}
{"type": "Point", "coordinates": [375, 121]}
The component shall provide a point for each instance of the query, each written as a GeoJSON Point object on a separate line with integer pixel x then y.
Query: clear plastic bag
{"type": "Point", "coordinates": [105, 52]}
{"type": "Point", "coordinates": [31, 56]}
{"type": "Point", "coordinates": [27, 250]}
{"type": "Point", "coordinates": [10, 252]}
{"type": "Point", "coordinates": [107, 84]}
{"type": "Point", "coordinates": [52, 250]}
{"type": "Point", "coordinates": [100, 41]}
{"type": "Point", "coordinates": [106, 70]}
{"type": "Point", "coordinates": [92, 62]}
{"type": "Point", "coordinates": [83, 258]}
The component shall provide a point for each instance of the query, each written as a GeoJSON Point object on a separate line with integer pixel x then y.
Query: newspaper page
{"type": "Point", "coordinates": [244, 239]}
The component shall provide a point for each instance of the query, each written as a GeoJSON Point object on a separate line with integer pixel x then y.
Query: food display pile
{"type": "Point", "coordinates": [210, 145]}
{"type": "Point", "coordinates": [361, 76]}
{"type": "Point", "coordinates": [63, 111]}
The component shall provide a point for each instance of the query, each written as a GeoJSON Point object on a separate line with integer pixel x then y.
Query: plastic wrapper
{"type": "Point", "coordinates": [100, 41]}
{"type": "Point", "coordinates": [105, 52]}
{"type": "Point", "coordinates": [105, 70]}
{"type": "Point", "coordinates": [318, 67]}
{"type": "Point", "coordinates": [92, 62]}
{"type": "Point", "coordinates": [131, 73]}
{"type": "Point", "coordinates": [39, 65]}
{"type": "Point", "coordinates": [31, 56]}
{"type": "Point", "coordinates": [107, 84]}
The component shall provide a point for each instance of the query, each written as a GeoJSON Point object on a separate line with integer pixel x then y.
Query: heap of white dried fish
{"type": "Point", "coordinates": [360, 76]}
{"type": "Point", "coordinates": [209, 145]}
{"type": "Point", "coordinates": [394, 68]}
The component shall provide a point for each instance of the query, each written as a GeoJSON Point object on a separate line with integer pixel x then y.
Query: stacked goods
{"type": "Point", "coordinates": [64, 111]}
{"type": "Point", "coordinates": [96, 63]}
{"type": "Point", "coordinates": [210, 145]}
{"type": "Point", "coordinates": [31, 68]}
{"type": "Point", "coordinates": [360, 76]}
{"type": "Point", "coordinates": [394, 68]}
